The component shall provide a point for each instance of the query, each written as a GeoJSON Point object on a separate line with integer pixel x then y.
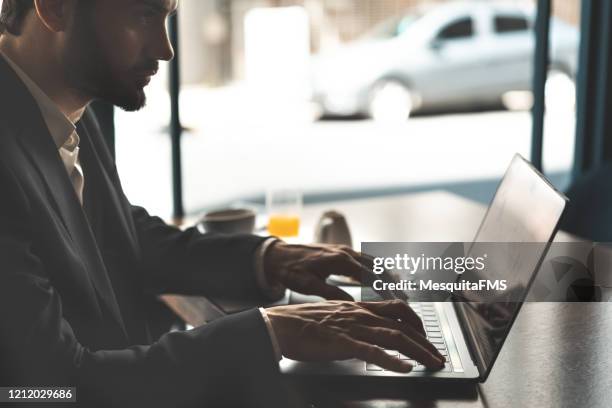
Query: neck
{"type": "Point", "coordinates": [38, 63]}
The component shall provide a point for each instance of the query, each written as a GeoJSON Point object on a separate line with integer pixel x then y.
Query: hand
{"type": "Point", "coordinates": [335, 330]}
{"type": "Point", "coordinates": [304, 268]}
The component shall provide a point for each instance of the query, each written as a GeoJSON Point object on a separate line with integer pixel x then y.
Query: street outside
{"type": "Point", "coordinates": [239, 142]}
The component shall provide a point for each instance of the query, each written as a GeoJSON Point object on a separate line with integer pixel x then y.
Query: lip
{"type": "Point", "coordinates": [148, 73]}
{"type": "Point", "coordinates": [144, 78]}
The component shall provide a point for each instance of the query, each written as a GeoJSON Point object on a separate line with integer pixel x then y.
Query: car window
{"type": "Point", "coordinates": [461, 28]}
{"type": "Point", "coordinates": [510, 24]}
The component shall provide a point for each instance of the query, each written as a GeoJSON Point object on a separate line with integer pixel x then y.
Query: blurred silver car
{"type": "Point", "coordinates": [453, 55]}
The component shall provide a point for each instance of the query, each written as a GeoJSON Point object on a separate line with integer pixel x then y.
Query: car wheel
{"type": "Point", "coordinates": [390, 101]}
{"type": "Point", "coordinates": [560, 94]}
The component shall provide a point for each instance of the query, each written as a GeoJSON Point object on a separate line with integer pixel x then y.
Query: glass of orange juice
{"type": "Point", "coordinates": [284, 207]}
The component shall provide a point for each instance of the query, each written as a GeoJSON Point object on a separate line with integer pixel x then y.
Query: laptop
{"type": "Point", "coordinates": [526, 208]}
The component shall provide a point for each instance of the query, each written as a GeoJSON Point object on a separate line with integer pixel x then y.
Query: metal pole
{"type": "Point", "coordinates": [585, 97]}
{"type": "Point", "coordinates": [176, 129]}
{"type": "Point", "coordinates": [539, 81]}
{"type": "Point", "coordinates": [601, 128]}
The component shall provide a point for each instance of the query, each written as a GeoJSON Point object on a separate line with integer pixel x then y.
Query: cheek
{"type": "Point", "coordinates": [122, 49]}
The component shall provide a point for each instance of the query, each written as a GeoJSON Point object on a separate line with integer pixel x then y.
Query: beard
{"type": "Point", "coordinates": [89, 71]}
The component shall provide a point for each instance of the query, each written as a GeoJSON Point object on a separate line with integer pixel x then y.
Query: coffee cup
{"type": "Point", "coordinates": [229, 221]}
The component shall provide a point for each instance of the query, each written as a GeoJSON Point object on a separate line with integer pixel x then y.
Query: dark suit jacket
{"type": "Point", "coordinates": [73, 280]}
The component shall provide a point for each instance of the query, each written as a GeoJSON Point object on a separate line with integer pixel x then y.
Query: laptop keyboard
{"type": "Point", "coordinates": [429, 316]}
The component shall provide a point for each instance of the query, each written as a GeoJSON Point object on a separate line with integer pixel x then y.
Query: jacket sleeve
{"type": "Point", "coordinates": [38, 346]}
{"type": "Point", "coordinates": [184, 262]}
{"type": "Point", "coordinates": [190, 262]}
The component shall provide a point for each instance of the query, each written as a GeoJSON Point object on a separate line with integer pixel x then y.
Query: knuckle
{"type": "Point", "coordinates": [361, 351]}
{"type": "Point", "coordinates": [345, 321]}
{"type": "Point", "coordinates": [373, 353]}
{"type": "Point", "coordinates": [363, 316]}
{"type": "Point", "coordinates": [343, 256]}
{"type": "Point", "coordinates": [346, 306]}
{"type": "Point", "coordinates": [396, 336]}
{"type": "Point", "coordinates": [384, 332]}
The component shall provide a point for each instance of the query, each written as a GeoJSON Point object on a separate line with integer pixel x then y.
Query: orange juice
{"type": "Point", "coordinates": [284, 225]}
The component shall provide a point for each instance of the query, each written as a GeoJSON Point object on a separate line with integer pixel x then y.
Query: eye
{"type": "Point", "coordinates": [146, 16]}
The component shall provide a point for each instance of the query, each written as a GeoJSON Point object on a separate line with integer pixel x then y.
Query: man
{"type": "Point", "coordinates": [77, 260]}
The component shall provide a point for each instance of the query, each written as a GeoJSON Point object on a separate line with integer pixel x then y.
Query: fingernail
{"type": "Point", "coordinates": [406, 366]}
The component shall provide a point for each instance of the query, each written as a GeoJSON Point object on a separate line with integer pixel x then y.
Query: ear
{"type": "Point", "coordinates": [53, 13]}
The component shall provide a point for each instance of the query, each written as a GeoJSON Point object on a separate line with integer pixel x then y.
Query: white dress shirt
{"type": "Point", "coordinates": [64, 134]}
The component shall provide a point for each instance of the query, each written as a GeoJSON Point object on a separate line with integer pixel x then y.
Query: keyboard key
{"type": "Point", "coordinates": [373, 367]}
{"type": "Point", "coordinates": [434, 335]}
{"type": "Point", "coordinates": [440, 346]}
{"type": "Point", "coordinates": [432, 329]}
{"type": "Point", "coordinates": [392, 352]}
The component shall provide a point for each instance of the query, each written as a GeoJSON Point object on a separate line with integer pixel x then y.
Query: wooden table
{"type": "Point", "coordinates": [557, 354]}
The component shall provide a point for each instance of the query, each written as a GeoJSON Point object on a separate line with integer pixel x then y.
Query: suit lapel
{"type": "Point", "coordinates": [93, 166]}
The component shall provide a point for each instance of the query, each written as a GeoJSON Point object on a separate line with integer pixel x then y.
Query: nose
{"type": "Point", "coordinates": [161, 48]}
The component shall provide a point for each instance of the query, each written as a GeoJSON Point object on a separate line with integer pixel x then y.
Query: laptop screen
{"type": "Point", "coordinates": [525, 209]}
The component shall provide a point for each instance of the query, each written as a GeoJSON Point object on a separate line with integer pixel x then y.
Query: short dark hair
{"type": "Point", "coordinates": [12, 14]}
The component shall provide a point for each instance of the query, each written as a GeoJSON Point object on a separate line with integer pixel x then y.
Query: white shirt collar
{"type": "Point", "coordinates": [60, 127]}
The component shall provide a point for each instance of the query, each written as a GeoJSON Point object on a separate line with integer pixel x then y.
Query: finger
{"type": "Point", "coordinates": [396, 340]}
{"type": "Point", "coordinates": [319, 288]}
{"type": "Point", "coordinates": [375, 321]}
{"type": "Point", "coordinates": [363, 258]}
{"type": "Point", "coordinates": [395, 309]}
{"type": "Point", "coordinates": [374, 355]}
{"type": "Point", "coordinates": [413, 332]}
{"type": "Point", "coordinates": [367, 261]}
{"type": "Point", "coordinates": [346, 265]}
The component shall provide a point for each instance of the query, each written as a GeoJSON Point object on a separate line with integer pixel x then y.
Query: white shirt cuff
{"type": "Point", "coordinates": [272, 291]}
{"type": "Point", "coordinates": [273, 339]}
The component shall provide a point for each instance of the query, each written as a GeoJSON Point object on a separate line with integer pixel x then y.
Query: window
{"type": "Point", "coordinates": [258, 106]}
{"type": "Point", "coordinates": [462, 28]}
{"type": "Point", "coordinates": [510, 24]}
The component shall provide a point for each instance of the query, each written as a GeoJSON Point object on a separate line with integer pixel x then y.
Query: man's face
{"type": "Point", "coordinates": [113, 48]}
